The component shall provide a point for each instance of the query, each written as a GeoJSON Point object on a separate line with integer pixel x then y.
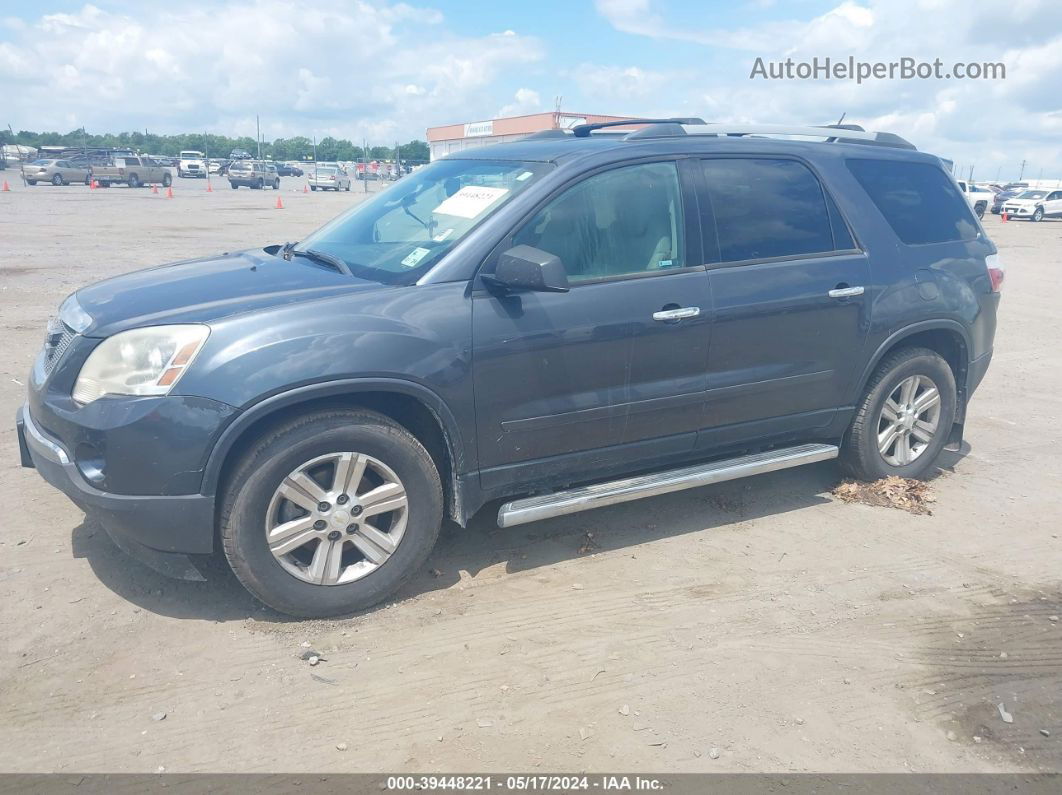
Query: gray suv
{"type": "Point", "coordinates": [573, 320]}
{"type": "Point", "coordinates": [253, 174]}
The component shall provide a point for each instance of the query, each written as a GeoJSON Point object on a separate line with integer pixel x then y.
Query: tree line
{"type": "Point", "coordinates": [297, 148]}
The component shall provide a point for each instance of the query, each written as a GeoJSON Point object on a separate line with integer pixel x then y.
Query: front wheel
{"type": "Point", "coordinates": [1038, 214]}
{"type": "Point", "coordinates": [331, 513]}
{"type": "Point", "coordinates": [57, 180]}
{"type": "Point", "coordinates": [904, 418]}
{"type": "Point", "coordinates": [134, 181]}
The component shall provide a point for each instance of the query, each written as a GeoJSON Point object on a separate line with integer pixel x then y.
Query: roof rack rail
{"type": "Point", "coordinates": [833, 133]}
{"type": "Point", "coordinates": [584, 130]}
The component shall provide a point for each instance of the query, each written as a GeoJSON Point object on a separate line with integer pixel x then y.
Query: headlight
{"type": "Point", "coordinates": [143, 361]}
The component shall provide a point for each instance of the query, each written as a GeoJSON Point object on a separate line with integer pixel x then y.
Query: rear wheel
{"type": "Point", "coordinates": [167, 180]}
{"type": "Point", "coordinates": [276, 183]}
{"type": "Point", "coordinates": [904, 418]}
{"type": "Point", "coordinates": [313, 187]}
{"type": "Point", "coordinates": [980, 210]}
{"type": "Point", "coordinates": [234, 185]}
{"type": "Point", "coordinates": [259, 184]}
{"type": "Point", "coordinates": [31, 182]}
{"type": "Point", "coordinates": [331, 513]}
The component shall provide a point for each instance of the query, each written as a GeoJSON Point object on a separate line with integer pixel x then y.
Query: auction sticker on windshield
{"type": "Point", "coordinates": [470, 201]}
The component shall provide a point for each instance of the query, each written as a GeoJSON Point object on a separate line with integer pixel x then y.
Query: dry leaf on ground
{"type": "Point", "coordinates": [907, 494]}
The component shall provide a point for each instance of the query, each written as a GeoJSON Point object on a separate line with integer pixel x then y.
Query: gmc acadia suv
{"type": "Point", "coordinates": [577, 319]}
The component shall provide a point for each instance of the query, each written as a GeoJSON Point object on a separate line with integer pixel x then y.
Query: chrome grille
{"type": "Point", "coordinates": [55, 344]}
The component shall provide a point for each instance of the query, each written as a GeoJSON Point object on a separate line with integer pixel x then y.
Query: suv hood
{"type": "Point", "coordinates": [203, 290]}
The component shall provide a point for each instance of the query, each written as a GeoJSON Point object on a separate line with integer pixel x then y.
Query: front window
{"type": "Point", "coordinates": [399, 234]}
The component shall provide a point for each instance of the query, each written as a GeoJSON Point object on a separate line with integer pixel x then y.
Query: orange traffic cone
{"type": "Point", "coordinates": [280, 204]}
{"type": "Point", "coordinates": [155, 189]}
{"type": "Point", "coordinates": [305, 188]}
{"type": "Point", "coordinates": [6, 188]}
{"type": "Point", "coordinates": [1003, 216]}
{"type": "Point", "coordinates": [209, 189]}
{"type": "Point", "coordinates": [169, 193]}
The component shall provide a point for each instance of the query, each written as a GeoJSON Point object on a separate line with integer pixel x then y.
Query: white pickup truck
{"type": "Point", "coordinates": [979, 198]}
{"type": "Point", "coordinates": [191, 164]}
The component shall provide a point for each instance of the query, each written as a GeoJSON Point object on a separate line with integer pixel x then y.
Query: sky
{"type": "Point", "coordinates": [384, 71]}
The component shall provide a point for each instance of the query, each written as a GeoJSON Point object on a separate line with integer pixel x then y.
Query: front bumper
{"type": "Point", "coordinates": [159, 524]}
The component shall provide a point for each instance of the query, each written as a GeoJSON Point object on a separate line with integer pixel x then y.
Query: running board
{"type": "Point", "coordinates": [561, 503]}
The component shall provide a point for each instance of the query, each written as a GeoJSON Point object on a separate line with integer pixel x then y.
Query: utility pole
{"type": "Point", "coordinates": [365, 158]}
{"type": "Point", "coordinates": [998, 171]}
{"type": "Point", "coordinates": [315, 158]}
{"type": "Point", "coordinates": [1022, 172]}
{"type": "Point", "coordinates": [258, 135]}
{"type": "Point", "coordinates": [970, 178]}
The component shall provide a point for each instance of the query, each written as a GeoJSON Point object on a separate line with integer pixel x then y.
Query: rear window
{"type": "Point", "coordinates": [768, 208]}
{"type": "Point", "coordinates": [919, 201]}
{"type": "Point", "coordinates": [240, 165]}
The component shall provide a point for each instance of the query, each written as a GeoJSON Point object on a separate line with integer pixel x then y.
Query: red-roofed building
{"type": "Point", "coordinates": [455, 137]}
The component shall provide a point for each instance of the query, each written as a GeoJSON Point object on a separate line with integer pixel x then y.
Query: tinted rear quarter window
{"type": "Point", "coordinates": [919, 201]}
{"type": "Point", "coordinates": [768, 208]}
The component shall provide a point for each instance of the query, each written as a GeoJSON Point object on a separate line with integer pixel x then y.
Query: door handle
{"type": "Point", "coordinates": [677, 314]}
{"type": "Point", "coordinates": [845, 292]}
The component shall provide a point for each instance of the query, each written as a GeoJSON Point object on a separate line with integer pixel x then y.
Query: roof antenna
{"type": "Point", "coordinates": [838, 124]}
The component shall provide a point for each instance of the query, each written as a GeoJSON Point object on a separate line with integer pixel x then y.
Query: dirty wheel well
{"type": "Point", "coordinates": [407, 411]}
{"type": "Point", "coordinates": [951, 346]}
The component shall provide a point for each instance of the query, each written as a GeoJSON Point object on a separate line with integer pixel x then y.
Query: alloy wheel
{"type": "Point", "coordinates": [336, 518]}
{"type": "Point", "coordinates": [908, 420]}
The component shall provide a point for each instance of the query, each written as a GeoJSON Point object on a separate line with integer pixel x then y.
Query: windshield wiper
{"type": "Point", "coordinates": [321, 258]}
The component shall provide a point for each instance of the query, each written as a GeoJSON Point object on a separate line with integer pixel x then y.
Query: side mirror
{"type": "Point", "coordinates": [528, 268]}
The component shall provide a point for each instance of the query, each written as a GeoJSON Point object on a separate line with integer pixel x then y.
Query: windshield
{"type": "Point", "coordinates": [396, 236]}
{"type": "Point", "coordinates": [1033, 194]}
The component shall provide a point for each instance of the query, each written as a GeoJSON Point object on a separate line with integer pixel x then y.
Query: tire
{"type": "Point", "coordinates": [31, 182]}
{"type": "Point", "coordinates": [58, 180]}
{"type": "Point", "coordinates": [167, 180]}
{"type": "Point", "coordinates": [276, 184]}
{"type": "Point", "coordinates": [134, 181]}
{"type": "Point", "coordinates": [980, 210]}
{"type": "Point", "coordinates": [250, 504]}
{"type": "Point", "coordinates": [235, 186]}
{"type": "Point", "coordinates": [860, 455]}
{"type": "Point", "coordinates": [313, 187]}
{"type": "Point", "coordinates": [348, 187]}
{"type": "Point", "coordinates": [1038, 214]}
{"type": "Point", "coordinates": [259, 184]}
{"type": "Point", "coordinates": [180, 174]}
{"type": "Point", "coordinates": [88, 180]}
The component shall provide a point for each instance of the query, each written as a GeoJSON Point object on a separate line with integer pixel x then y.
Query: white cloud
{"type": "Point", "coordinates": [988, 123]}
{"type": "Point", "coordinates": [335, 67]}
{"type": "Point", "coordinates": [525, 101]}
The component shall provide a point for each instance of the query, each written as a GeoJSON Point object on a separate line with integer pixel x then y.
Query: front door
{"type": "Point", "coordinates": [613, 370]}
{"type": "Point", "coordinates": [790, 289]}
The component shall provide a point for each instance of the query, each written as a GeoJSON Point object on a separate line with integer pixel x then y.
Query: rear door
{"type": "Point", "coordinates": [789, 285]}
{"type": "Point", "coordinates": [615, 369]}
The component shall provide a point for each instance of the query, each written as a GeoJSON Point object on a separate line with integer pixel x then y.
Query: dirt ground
{"type": "Point", "coordinates": [760, 625]}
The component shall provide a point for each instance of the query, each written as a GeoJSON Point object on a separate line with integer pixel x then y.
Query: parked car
{"type": "Point", "coordinates": [253, 174]}
{"type": "Point", "coordinates": [1001, 198]}
{"type": "Point", "coordinates": [217, 166]}
{"type": "Point", "coordinates": [1034, 205]}
{"type": "Point", "coordinates": [530, 322]}
{"type": "Point", "coordinates": [288, 170]}
{"type": "Point", "coordinates": [328, 178]}
{"type": "Point", "coordinates": [980, 198]}
{"type": "Point", "coordinates": [135, 172]}
{"type": "Point", "coordinates": [57, 172]}
{"type": "Point", "coordinates": [191, 163]}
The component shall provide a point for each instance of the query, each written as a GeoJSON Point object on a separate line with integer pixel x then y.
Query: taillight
{"type": "Point", "coordinates": [995, 272]}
